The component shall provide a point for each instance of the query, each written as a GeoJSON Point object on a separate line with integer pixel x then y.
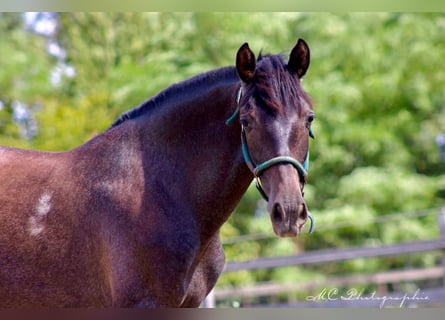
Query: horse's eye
{"type": "Point", "coordinates": [311, 118]}
{"type": "Point", "coordinates": [244, 122]}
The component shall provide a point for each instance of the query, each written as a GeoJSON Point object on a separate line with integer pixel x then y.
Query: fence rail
{"type": "Point", "coordinates": [336, 255]}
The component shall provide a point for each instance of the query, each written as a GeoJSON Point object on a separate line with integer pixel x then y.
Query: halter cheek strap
{"type": "Point", "coordinates": [236, 112]}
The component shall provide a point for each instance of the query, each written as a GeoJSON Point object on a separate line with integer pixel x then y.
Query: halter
{"type": "Point", "coordinates": [257, 170]}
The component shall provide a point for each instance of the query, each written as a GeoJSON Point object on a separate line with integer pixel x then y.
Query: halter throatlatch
{"type": "Point", "coordinates": [258, 169]}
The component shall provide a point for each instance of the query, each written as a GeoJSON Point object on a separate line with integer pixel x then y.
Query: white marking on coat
{"type": "Point", "coordinates": [43, 205]}
{"type": "Point", "coordinates": [34, 226]}
{"type": "Point", "coordinates": [36, 222]}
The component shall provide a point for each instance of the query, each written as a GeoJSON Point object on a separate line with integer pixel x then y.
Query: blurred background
{"type": "Point", "coordinates": [377, 171]}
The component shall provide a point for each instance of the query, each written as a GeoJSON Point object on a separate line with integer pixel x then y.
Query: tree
{"type": "Point", "coordinates": [25, 70]}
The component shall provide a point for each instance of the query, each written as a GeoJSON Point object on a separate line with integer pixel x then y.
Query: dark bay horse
{"type": "Point", "coordinates": [132, 217]}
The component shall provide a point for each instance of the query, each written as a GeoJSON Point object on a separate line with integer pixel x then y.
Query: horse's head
{"type": "Point", "coordinates": [276, 117]}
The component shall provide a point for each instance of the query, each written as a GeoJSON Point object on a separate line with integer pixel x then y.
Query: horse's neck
{"type": "Point", "coordinates": [194, 151]}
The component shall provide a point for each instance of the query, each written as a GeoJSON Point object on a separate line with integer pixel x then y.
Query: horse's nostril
{"type": "Point", "coordinates": [302, 214]}
{"type": "Point", "coordinates": [277, 213]}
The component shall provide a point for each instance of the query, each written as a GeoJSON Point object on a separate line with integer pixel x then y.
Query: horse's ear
{"type": "Point", "coordinates": [299, 58]}
{"type": "Point", "coordinates": [245, 63]}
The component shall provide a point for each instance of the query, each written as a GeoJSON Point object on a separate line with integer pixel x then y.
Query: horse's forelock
{"type": "Point", "coordinates": [274, 87]}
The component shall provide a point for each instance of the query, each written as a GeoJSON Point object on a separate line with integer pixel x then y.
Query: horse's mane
{"type": "Point", "coordinates": [177, 91]}
{"type": "Point", "coordinates": [268, 67]}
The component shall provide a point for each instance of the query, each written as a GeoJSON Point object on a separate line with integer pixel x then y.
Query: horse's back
{"type": "Point", "coordinates": [43, 249]}
{"type": "Point", "coordinates": [29, 182]}
{"type": "Point", "coordinates": [26, 191]}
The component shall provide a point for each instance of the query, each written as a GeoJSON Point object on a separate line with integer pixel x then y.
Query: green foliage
{"type": "Point", "coordinates": [24, 70]}
{"type": "Point", "coordinates": [68, 125]}
{"type": "Point", "coordinates": [376, 78]}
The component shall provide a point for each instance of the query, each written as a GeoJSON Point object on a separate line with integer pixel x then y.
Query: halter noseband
{"type": "Point", "coordinates": [258, 169]}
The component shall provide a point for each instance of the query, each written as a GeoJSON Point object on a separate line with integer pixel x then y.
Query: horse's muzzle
{"type": "Point", "coordinates": [288, 220]}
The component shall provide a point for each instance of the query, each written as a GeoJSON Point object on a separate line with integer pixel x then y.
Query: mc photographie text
{"type": "Point", "coordinates": [354, 294]}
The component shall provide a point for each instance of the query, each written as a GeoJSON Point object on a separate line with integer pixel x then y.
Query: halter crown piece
{"type": "Point", "coordinates": [258, 169]}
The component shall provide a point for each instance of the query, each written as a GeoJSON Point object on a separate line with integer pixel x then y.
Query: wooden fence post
{"type": "Point", "coordinates": [442, 237]}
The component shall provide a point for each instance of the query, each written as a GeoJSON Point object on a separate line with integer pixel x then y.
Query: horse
{"type": "Point", "coordinates": [132, 217]}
